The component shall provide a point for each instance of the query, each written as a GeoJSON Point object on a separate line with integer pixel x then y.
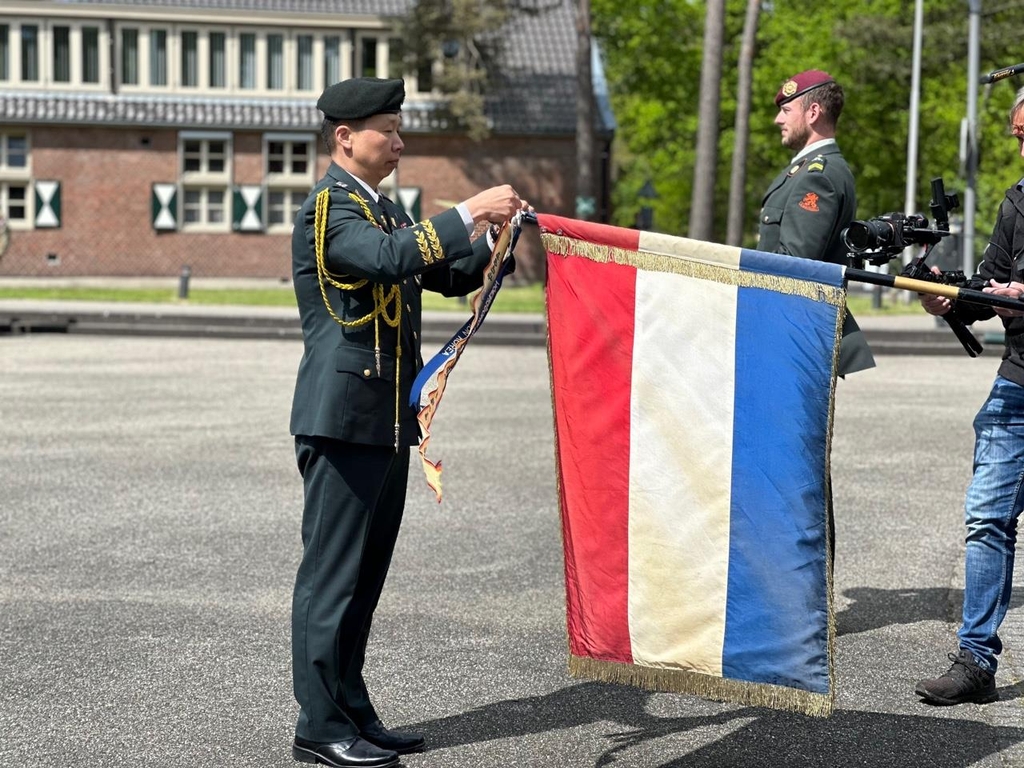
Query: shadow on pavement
{"type": "Point", "coordinates": [876, 608]}
{"type": "Point", "coordinates": [769, 739]}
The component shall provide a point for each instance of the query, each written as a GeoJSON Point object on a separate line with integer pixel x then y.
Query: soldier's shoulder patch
{"type": "Point", "coordinates": [809, 202]}
{"type": "Point", "coordinates": [817, 165]}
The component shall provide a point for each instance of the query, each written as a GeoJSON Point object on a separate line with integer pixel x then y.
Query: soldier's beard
{"type": "Point", "coordinates": [796, 139]}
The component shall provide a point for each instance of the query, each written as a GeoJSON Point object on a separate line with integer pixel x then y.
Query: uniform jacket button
{"type": "Point", "coordinates": [367, 372]}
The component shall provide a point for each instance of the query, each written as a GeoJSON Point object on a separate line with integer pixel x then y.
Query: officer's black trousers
{"type": "Point", "coordinates": [354, 496]}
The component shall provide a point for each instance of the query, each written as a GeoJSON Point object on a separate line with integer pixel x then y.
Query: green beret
{"type": "Point", "coordinates": [361, 97]}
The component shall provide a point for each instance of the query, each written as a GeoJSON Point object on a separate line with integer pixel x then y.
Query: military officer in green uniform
{"type": "Point", "coordinates": [812, 200]}
{"type": "Point", "coordinates": [359, 266]}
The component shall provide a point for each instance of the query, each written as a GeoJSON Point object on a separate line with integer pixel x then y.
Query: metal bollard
{"type": "Point", "coordinates": [186, 273]}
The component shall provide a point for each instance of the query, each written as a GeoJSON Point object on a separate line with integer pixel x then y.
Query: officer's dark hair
{"type": "Point", "coordinates": [329, 126]}
{"type": "Point", "coordinates": [830, 97]}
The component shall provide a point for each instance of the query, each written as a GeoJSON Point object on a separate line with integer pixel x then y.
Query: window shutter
{"type": "Point", "coordinates": [165, 207]}
{"type": "Point", "coordinates": [247, 209]}
{"type": "Point", "coordinates": [47, 204]}
{"type": "Point", "coordinates": [409, 198]}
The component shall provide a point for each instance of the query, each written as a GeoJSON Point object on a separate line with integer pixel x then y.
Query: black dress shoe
{"type": "Point", "coordinates": [351, 753]}
{"type": "Point", "coordinates": [402, 742]}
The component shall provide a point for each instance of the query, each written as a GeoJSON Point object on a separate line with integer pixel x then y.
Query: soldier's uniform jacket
{"type": "Point", "coordinates": [346, 389]}
{"type": "Point", "coordinates": [803, 213]}
{"type": "Point", "coordinates": [1003, 262]}
{"type": "Point", "coordinates": [807, 207]}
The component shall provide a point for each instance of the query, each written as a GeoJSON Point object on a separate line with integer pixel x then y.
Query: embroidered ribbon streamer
{"type": "Point", "coordinates": [428, 387]}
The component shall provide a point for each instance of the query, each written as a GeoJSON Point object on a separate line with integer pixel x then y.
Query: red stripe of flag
{"type": "Point", "coordinates": [590, 317]}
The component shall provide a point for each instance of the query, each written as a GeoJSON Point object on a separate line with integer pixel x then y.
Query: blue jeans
{"type": "Point", "coordinates": [993, 504]}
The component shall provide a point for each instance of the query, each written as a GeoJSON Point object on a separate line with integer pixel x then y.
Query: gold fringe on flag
{"type": "Point", "coordinates": [705, 686]}
{"type": "Point", "coordinates": [656, 262]}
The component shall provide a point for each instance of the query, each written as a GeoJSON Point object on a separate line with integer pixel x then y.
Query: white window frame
{"type": "Point", "coordinates": [9, 79]}
{"type": "Point", "coordinates": [204, 181]}
{"type": "Point", "coordinates": [42, 52]}
{"type": "Point", "coordinates": [204, 224]}
{"type": "Point", "coordinates": [287, 177]}
{"type": "Point", "coordinates": [76, 49]}
{"type": "Point", "coordinates": [295, 186]}
{"type": "Point", "coordinates": [206, 60]}
{"type": "Point", "coordinates": [30, 203]}
{"type": "Point", "coordinates": [294, 198]}
{"type": "Point", "coordinates": [15, 173]}
{"type": "Point", "coordinates": [202, 73]}
{"type": "Point", "coordinates": [141, 41]}
{"type": "Point", "coordinates": [204, 176]}
{"type": "Point", "coordinates": [380, 52]}
{"type": "Point", "coordinates": [350, 40]}
{"type": "Point", "coordinates": [16, 176]}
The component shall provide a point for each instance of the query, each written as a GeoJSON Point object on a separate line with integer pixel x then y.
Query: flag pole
{"type": "Point", "coordinates": [969, 295]}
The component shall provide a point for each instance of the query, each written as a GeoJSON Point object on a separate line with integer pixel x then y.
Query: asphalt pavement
{"type": "Point", "coordinates": [149, 534]}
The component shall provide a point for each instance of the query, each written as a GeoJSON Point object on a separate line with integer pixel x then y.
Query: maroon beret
{"type": "Point", "coordinates": [800, 84]}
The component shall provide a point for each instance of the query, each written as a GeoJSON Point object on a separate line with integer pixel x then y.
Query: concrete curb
{"type": "Point", "coordinates": [887, 335]}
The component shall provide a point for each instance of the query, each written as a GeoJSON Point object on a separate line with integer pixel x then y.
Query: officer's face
{"type": "Point", "coordinates": [377, 146]}
{"type": "Point", "coordinates": [792, 120]}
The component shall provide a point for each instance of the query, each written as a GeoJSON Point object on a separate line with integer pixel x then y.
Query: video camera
{"type": "Point", "coordinates": [880, 239]}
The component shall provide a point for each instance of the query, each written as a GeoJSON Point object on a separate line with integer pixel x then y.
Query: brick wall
{"type": "Point", "coordinates": [107, 174]}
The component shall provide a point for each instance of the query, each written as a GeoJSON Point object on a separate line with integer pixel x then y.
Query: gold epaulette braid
{"type": "Point", "coordinates": [381, 301]}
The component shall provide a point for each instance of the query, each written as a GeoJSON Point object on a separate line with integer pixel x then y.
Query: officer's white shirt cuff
{"type": "Point", "coordinates": [463, 210]}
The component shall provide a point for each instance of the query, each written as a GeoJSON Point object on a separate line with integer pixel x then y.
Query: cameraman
{"type": "Point", "coordinates": [996, 492]}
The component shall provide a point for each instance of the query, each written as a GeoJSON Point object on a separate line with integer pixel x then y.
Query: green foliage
{"type": "Point", "coordinates": [652, 51]}
{"type": "Point", "coordinates": [458, 43]}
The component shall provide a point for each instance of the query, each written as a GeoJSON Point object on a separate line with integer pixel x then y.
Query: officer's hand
{"type": "Point", "coordinates": [1011, 290]}
{"type": "Point", "coordinates": [497, 204]}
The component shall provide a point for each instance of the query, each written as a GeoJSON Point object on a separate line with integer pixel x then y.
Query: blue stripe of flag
{"type": "Point", "coordinates": [791, 266]}
{"type": "Point", "coordinates": [776, 626]}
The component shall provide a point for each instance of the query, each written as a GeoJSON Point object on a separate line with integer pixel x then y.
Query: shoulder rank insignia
{"type": "Point", "coordinates": [817, 165]}
{"type": "Point", "coordinates": [796, 167]}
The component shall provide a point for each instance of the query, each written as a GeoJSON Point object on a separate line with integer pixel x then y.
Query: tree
{"type": "Point", "coordinates": [585, 198]}
{"type": "Point", "coordinates": [702, 204]}
{"type": "Point", "coordinates": [738, 178]}
{"type": "Point", "coordinates": [653, 60]}
{"type": "Point", "coordinates": [455, 43]}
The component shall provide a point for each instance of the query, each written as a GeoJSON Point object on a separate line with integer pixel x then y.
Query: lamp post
{"type": "Point", "coordinates": [969, 148]}
{"type": "Point", "coordinates": [645, 216]}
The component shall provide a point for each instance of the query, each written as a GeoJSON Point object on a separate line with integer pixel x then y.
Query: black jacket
{"type": "Point", "coordinates": [1003, 262]}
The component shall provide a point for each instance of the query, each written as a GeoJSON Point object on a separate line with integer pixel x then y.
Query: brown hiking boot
{"type": "Point", "coordinates": [965, 681]}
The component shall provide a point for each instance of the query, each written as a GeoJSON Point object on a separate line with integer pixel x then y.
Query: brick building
{"type": "Point", "coordinates": [139, 136]}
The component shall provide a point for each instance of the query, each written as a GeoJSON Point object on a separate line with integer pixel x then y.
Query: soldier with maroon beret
{"type": "Point", "coordinates": [812, 200]}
